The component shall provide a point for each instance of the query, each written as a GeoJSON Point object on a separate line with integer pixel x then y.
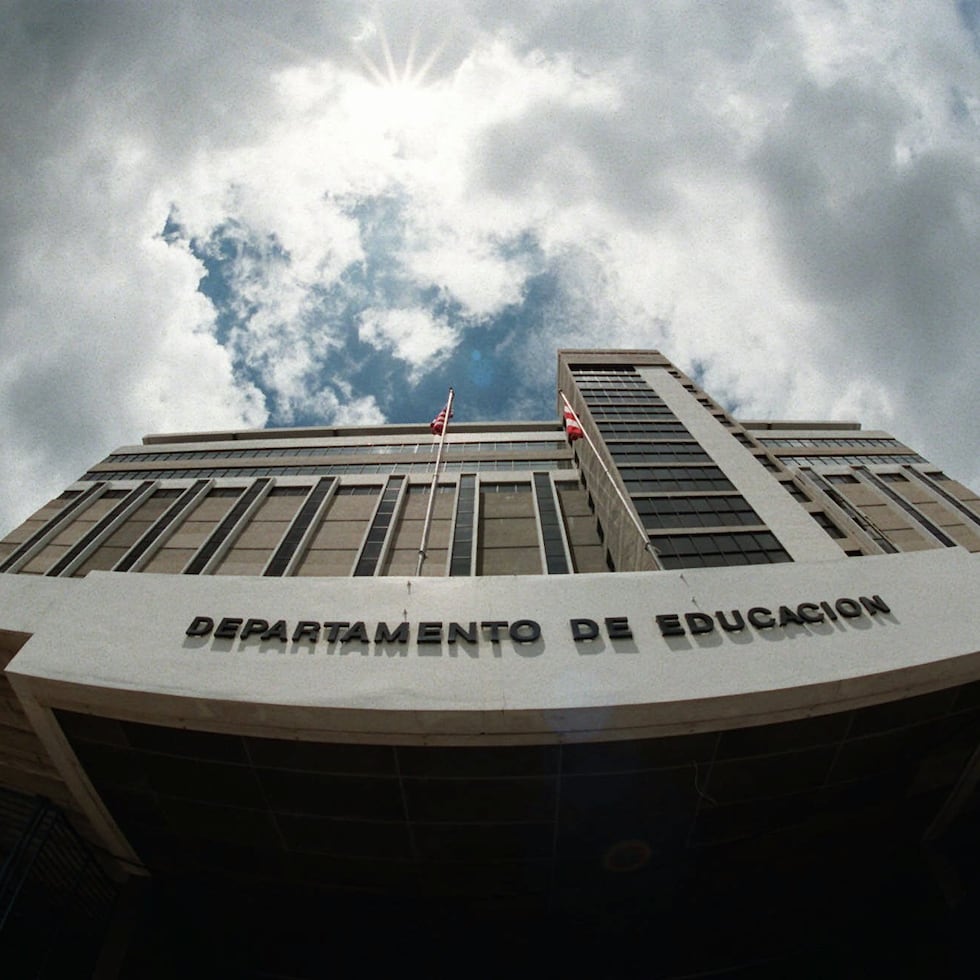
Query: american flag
{"type": "Point", "coordinates": [439, 422]}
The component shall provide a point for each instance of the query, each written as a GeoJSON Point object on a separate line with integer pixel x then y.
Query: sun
{"type": "Point", "coordinates": [399, 95]}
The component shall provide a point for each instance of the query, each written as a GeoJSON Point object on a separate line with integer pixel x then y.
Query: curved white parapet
{"type": "Point", "coordinates": [499, 659]}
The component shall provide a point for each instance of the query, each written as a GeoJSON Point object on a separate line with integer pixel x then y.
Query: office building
{"type": "Point", "coordinates": [710, 677]}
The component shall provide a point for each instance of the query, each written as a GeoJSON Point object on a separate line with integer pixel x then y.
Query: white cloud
{"type": "Point", "coordinates": [482, 281]}
{"type": "Point", "coordinates": [413, 336]}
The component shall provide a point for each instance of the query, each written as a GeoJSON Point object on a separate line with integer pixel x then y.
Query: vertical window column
{"type": "Point", "coordinates": [299, 530]}
{"type": "Point", "coordinates": [555, 549]}
{"type": "Point", "coordinates": [23, 554]}
{"type": "Point", "coordinates": [461, 560]}
{"type": "Point", "coordinates": [373, 547]}
{"type": "Point", "coordinates": [909, 509]}
{"type": "Point", "coordinates": [77, 553]}
{"type": "Point", "coordinates": [945, 495]}
{"type": "Point", "coordinates": [143, 548]}
{"type": "Point", "coordinates": [210, 552]}
{"type": "Point", "coordinates": [864, 522]}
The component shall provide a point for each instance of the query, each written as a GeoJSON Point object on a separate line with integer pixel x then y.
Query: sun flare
{"type": "Point", "coordinates": [399, 95]}
{"type": "Point", "coordinates": [383, 69]}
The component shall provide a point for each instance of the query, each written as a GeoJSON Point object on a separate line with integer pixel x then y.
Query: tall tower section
{"type": "Point", "coordinates": [704, 491]}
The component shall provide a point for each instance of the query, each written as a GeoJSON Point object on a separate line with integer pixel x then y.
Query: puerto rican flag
{"type": "Point", "coordinates": [439, 422]}
{"type": "Point", "coordinates": [573, 428]}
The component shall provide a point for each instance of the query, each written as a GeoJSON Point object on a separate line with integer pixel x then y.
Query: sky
{"type": "Point", "coordinates": [248, 214]}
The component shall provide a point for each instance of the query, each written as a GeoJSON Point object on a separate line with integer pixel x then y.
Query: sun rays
{"type": "Point", "coordinates": [399, 93]}
{"type": "Point", "coordinates": [383, 69]}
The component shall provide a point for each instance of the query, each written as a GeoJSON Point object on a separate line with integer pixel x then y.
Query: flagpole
{"type": "Point", "coordinates": [647, 543]}
{"type": "Point", "coordinates": [435, 481]}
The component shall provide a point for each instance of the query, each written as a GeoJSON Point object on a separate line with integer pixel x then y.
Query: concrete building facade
{"type": "Point", "coordinates": [687, 662]}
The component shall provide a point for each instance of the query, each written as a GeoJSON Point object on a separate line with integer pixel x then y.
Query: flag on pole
{"type": "Point", "coordinates": [573, 428]}
{"type": "Point", "coordinates": [439, 422]}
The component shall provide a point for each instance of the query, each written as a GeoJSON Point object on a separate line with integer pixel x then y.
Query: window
{"type": "Point", "coordinates": [646, 428]}
{"type": "Point", "coordinates": [644, 413]}
{"type": "Point", "coordinates": [719, 511]}
{"type": "Point", "coordinates": [671, 479]}
{"type": "Point", "coordinates": [505, 487]}
{"type": "Point", "coordinates": [367, 561]}
{"type": "Point", "coordinates": [710, 550]}
{"type": "Point", "coordinates": [657, 451]}
{"type": "Point", "coordinates": [866, 460]}
{"type": "Point", "coordinates": [827, 524]}
{"type": "Point", "coordinates": [795, 492]}
{"type": "Point", "coordinates": [330, 469]}
{"type": "Point", "coordinates": [554, 545]}
{"type": "Point", "coordinates": [462, 550]}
